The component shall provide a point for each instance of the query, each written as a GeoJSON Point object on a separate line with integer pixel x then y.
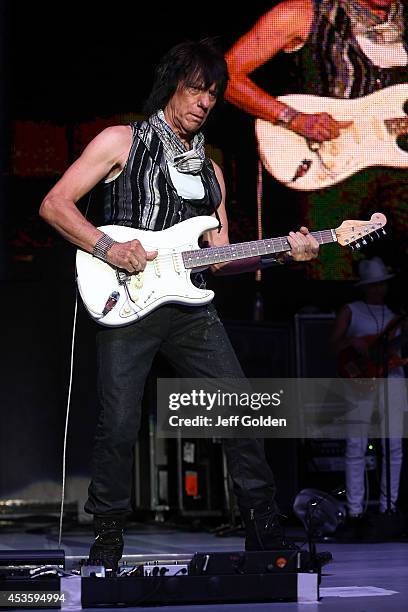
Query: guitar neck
{"type": "Point", "coordinates": [397, 126]}
{"type": "Point", "coordinates": [243, 250]}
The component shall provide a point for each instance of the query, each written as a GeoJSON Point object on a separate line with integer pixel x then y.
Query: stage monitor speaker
{"type": "Point", "coordinates": [265, 350]}
{"type": "Point", "coordinates": [314, 356]}
{"type": "Point", "coordinates": [316, 359]}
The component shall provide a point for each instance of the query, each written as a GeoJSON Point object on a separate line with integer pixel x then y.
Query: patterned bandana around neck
{"type": "Point", "coordinates": [188, 162]}
{"type": "Point", "coordinates": [368, 24]}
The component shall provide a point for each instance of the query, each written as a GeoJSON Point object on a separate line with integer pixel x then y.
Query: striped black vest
{"type": "Point", "coordinates": [143, 195]}
{"type": "Point", "coordinates": [331, 62]}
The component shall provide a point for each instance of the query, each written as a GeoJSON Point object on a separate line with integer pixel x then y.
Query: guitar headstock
{"type": "Point", "coordinates": [354, 233]}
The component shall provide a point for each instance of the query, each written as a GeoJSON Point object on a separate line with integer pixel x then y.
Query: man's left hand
{"type": "Point", "coordinates": [303, 245]}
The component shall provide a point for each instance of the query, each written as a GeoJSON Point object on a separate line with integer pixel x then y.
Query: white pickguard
{"type": "Point", "coordinates": [164, 280]}
{"type": "Point", "coordinates": [366, 143]}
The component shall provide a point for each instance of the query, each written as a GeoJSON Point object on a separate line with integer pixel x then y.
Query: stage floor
{"type": "Point", "coordinates": [361, 577]}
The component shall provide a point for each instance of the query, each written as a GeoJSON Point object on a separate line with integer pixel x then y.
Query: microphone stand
{"type": "Point", "coordinates": [314, 531]}
{"type": "Point", "coordinates": [387, 454]}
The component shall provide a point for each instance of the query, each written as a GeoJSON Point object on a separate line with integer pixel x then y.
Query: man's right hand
{"type": "Point", "coordinates": [130, 256]}
{"type": "Point", "coordinates": [318, 126]}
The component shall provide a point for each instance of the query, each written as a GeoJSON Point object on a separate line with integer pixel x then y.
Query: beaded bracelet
{"type": "Point", "coordinates": [286, 116]}
{"type": "Point", "coordinates": [102, 246]}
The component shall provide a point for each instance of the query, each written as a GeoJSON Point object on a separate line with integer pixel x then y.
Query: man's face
{"type": "Point", "coordinates": [189, 107]}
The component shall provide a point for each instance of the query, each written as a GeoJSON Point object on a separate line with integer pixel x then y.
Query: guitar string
{"type": "Point", "coordinates": [243, 249]}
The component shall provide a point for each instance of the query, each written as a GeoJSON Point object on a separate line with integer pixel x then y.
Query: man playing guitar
{"type": "Point", "coordinates": [341, 49]}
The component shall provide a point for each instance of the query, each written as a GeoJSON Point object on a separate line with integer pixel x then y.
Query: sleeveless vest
{"type": "Point", "coordinates": [331, 62]}
{"type": "Point", "coordinates": [143, 195]}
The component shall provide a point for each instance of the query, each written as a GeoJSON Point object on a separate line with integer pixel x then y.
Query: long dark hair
{"type": "Point", "coordinates": [192, 63]}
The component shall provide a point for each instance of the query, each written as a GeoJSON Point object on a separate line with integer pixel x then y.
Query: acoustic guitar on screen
{"type": "Point", "coordinates": [115, 297]}
{"type": "Point", "coordinates": [377, 137]}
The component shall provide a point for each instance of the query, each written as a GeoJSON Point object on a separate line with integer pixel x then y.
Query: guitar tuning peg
{"type": "Point", "coordinates": [371, 238]}
{"type": "Point", "coordinates": [351, 246]}
{"type": "Point", "coordinates": [358, 245]}
{"type": "Point", "coordinates": [364, 241]}
{"type": "Point", "coordinates": [384, 233]}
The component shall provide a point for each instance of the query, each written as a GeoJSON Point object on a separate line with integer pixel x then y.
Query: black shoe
{"type": "Point", "coordinates": [263, 530]}
{"type": "Point", "coordinates": [108, 546]}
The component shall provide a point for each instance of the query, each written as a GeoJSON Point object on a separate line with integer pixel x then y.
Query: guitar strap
{"type": "Point", "coordinates": [217, 216]}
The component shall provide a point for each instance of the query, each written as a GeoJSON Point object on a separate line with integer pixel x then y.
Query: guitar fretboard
{"type": "Point", "coordinates": [243, 250]}
{"type": "Point", "coordinates": [398, 125]}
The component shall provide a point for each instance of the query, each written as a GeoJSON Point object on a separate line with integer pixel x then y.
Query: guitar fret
{"type": "Point", "coordinates": [244, 250]}
{"type": "Point", "coordinates": [231, 252]}
{"type": "Point", "coordinates": [324, 236]}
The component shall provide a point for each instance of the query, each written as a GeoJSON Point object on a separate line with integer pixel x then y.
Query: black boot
{"type": "Point", "coordinates": [108, 546]}
{"type": "Point", "coordinates": [263, 530]}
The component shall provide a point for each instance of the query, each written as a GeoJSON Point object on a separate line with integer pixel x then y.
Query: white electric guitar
{"type": "Point", "coordinates": [372, 139]}
{"type": "Point", "coordinates": [115, 297]}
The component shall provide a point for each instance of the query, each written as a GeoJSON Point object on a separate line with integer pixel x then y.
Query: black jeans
{"type": "Point", "coordinates": [194, 341]}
